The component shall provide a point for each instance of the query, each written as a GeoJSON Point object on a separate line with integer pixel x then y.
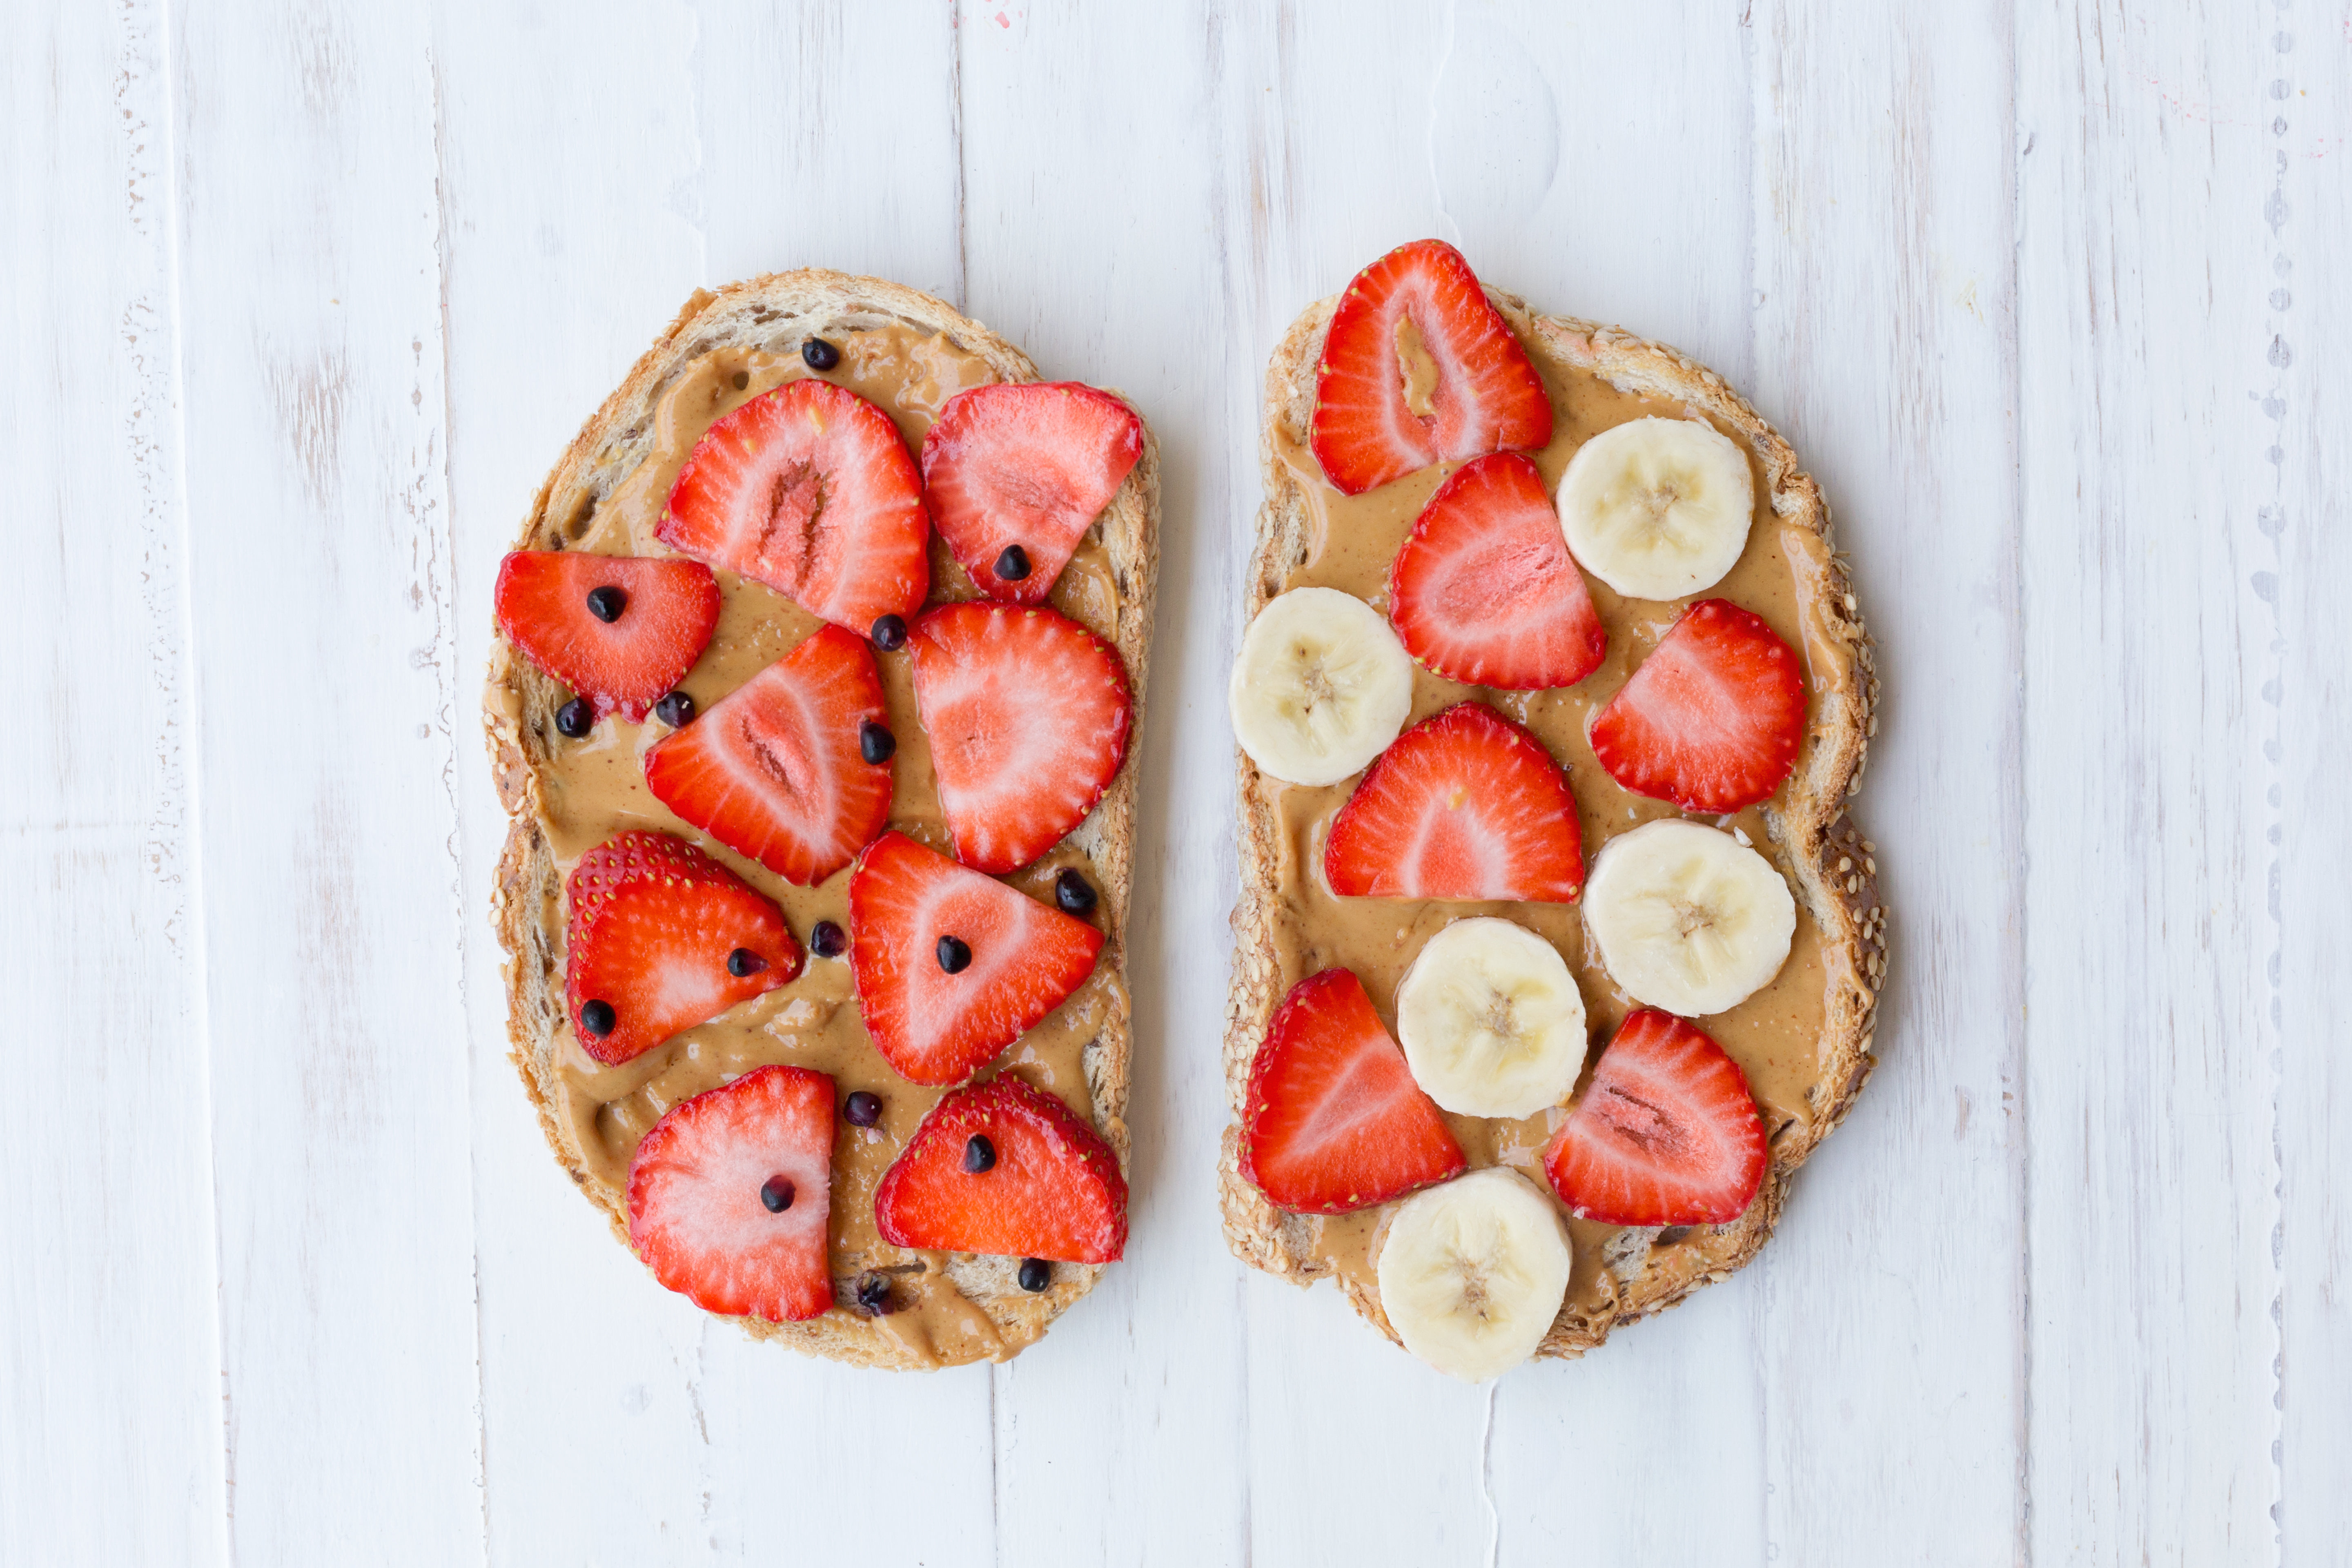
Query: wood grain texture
{"type": "Point", "coordinates": [1883, 324]}
{"type": "Point", "coordinates": [108, 1347]}
{"type": "Point", "coordinates": [320, 578]}
{"type": "Point", "coordinates": [2150, 1103]}
{"type": "Point", "coordinates": [2302, 566]}
{"type": "Point", "coordinates": [303, 300]}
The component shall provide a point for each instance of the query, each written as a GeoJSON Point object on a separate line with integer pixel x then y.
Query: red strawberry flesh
{"type": "Point", "coordinates": [653, 923]}
{"type": "Point", "coordinates": [1713, 719]}
{"type": "Point", "coordinates": [1027, 713]}
{"type": "Point", "coordinates": [1333, 1120]}
{"type": "Point", "coordinates": [1467, 806]}
{"type": "Point", "coordinates": [1666, 1134]}
{"type": "Point", "coordinates": [1053, 1191]}
{"type": "Point", "coordinates": [1419, 368]}
{"type": "Point", "coordinates": [1484, 590]}
{"type": "Point", "coordinates": [624, 665]}
{"type": "Point", "coordinates": [773, 770]}
{"type": "Point", "coordinates": [809, 488]}
{"type": "Point", "coordinates": [697, 1214]}
{"type": "Point", "coordinates": [935, 1027]}
{"type": "Point", "coordinates": [1030, 464]}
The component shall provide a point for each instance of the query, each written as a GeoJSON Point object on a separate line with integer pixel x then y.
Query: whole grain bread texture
{"type": "Point", "coordinates": [775, 313]}
{"type": "Point", "coordinates": [1836, 875]}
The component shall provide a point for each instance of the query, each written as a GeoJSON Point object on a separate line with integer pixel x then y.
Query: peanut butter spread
{"type": "Point", "coordinates": [595, 787]}
{"type": "Point", "coordinates": [1774, 1036]}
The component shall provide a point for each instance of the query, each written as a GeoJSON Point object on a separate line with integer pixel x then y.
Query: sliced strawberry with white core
{"type": "Point", "coordinates": [1333, 1120]}
{"type": "Point", "coordinates": [1027, 713]}
{"type": "Point", "coordinates": [1045, 1187]}
{"type": "Point", "coordinates": [1419, 368]}
{"type": "Point", "coordinates": [1668, 1134]}
{"type": "Point", "coordinates": [656, 935]}
{"type": "Point", "coordinates": [730, 1192]}
{"type": "Point", "coordinates": [617, 629]}
{"type": "Point", "coordinates": [1028, 467]}
{"type": "Point", "coordinates": [1713, 719]}
{"type": "Point", "coordinates": [1016, 960]}
{"type": "Point", "coordinates": [774, 770]}
{"type": "Point", "coordinates": [1464, 806]}
{"type": "Point", "coordinates": [808, 488]}
{"type": "Point", "coordinates": [1483, 591]}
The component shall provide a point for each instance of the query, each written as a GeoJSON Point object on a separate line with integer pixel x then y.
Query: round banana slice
{"type": "Point", "coordinates": [1687, 918]}
{"type": "Point", "coordinates": [1473, 1273]}
{"type": "Point", "coordinates": [1657, 509]}
{"type": "Point", "coordinates": [1321, 687]}
{"type": "Point", "coordinates": [1491, 1020]}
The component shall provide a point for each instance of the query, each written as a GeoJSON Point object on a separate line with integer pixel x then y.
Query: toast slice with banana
{"type": "Point", "coordinates": [1558, 950]}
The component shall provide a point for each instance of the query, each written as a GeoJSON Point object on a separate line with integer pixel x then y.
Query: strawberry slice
{"type": "Point", "coordinates": [808, 488]}
{"type": "Point", "coordinates": [1028, 715]}
{"type": "Point", "coordinates": [1668, 1134]}
{"type": "Point", "coordinates": [1005, 1169]}
{"type": "Point", "coordinates": [1713, 718]}
{"type": "Point", "coordinates": [1333, 1120]}
{"type": "Point", "coordinates": [1028, 467]}
{"type": "Point", "coordinates": [1483, 592]}
{"type": "Point", "coordinates": [912, 915]}
{"type": "Point", "coordinates": [1419, 369]}
{"type": "Point", "coordinates": [1464, 806]}
{"type": "Point", "coordinates": [775, 769]}
{"type": "Point", "coordinates": [730, 1192]}
{"type": "Point", "coordinates": [553, 605]}
{"type": "Point", "coordinates": [661, 938]}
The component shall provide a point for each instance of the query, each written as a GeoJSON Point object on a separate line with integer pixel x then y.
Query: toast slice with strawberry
{"type": "Point", "coordinates": [1405, 462]}
{"type": "Point", "coordinates": [767, 452]}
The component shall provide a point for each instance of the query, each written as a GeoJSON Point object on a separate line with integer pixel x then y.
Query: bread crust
{"type": "Point", "coordinates": [774, 312]}
{"type": "Point", "coordinates": [1810, 823]}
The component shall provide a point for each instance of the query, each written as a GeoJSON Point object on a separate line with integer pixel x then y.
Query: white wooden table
{"type": "Point", "coordinates": [302, 298]}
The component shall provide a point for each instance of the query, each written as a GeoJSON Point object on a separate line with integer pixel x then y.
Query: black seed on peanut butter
{"type": "Point", "coordinates": [827, 939]}
{"type": "Point", "coordinates": [1074, 892]}
{"type": "Point", "coordinates": [575, 719]}
{"type": "Point", "coordinates": [874, 743]}
{"type": "Point", "coordinates": [818, 354]}
{"type": "Point", "coordinates": [863, 1109]}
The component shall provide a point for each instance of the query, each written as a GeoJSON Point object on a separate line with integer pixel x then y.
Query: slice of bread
{"type": "Point", "coordinates": [775, 314]}
{"type": "Point", "coordinates": [1647, 1270]}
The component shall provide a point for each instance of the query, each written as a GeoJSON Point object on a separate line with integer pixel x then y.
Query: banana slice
{"type": "Point", "coordinates": [1473, 1273]}
{"type": "Point", "coordinates": [1657, 508]}
{"type": "Point", "coordinates": [1687, 918]}
{"type": "Point", "coordinates": [1491, 1020]}
{"type": "Point", "coordinates": [1321, 688]}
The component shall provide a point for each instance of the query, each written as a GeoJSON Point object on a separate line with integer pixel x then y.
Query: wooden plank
{"type": "Point", "coordinates": [846, 172]}
{"type": "Point", "coordinates": [1356, 1451]}
{"type": "Point", "coordinates": [1528, 146]}
{"type": "Point", "coordinates": [2305, 117]}
{"type": "Point", "coordinates": [572, 238]}
{"type": "Point", "coordinates": [1884, 320]}
{"type": "Point", "coordinates": [320, 580]}
{"type": "Point", "coordinates": [758, 146]}
{"type": "Point", "coordinates": [1109, 270]}
{"type": "Point", "coordinates": [109, 1354]}
{"type": "Point", "coordinates": [2143, 262]}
